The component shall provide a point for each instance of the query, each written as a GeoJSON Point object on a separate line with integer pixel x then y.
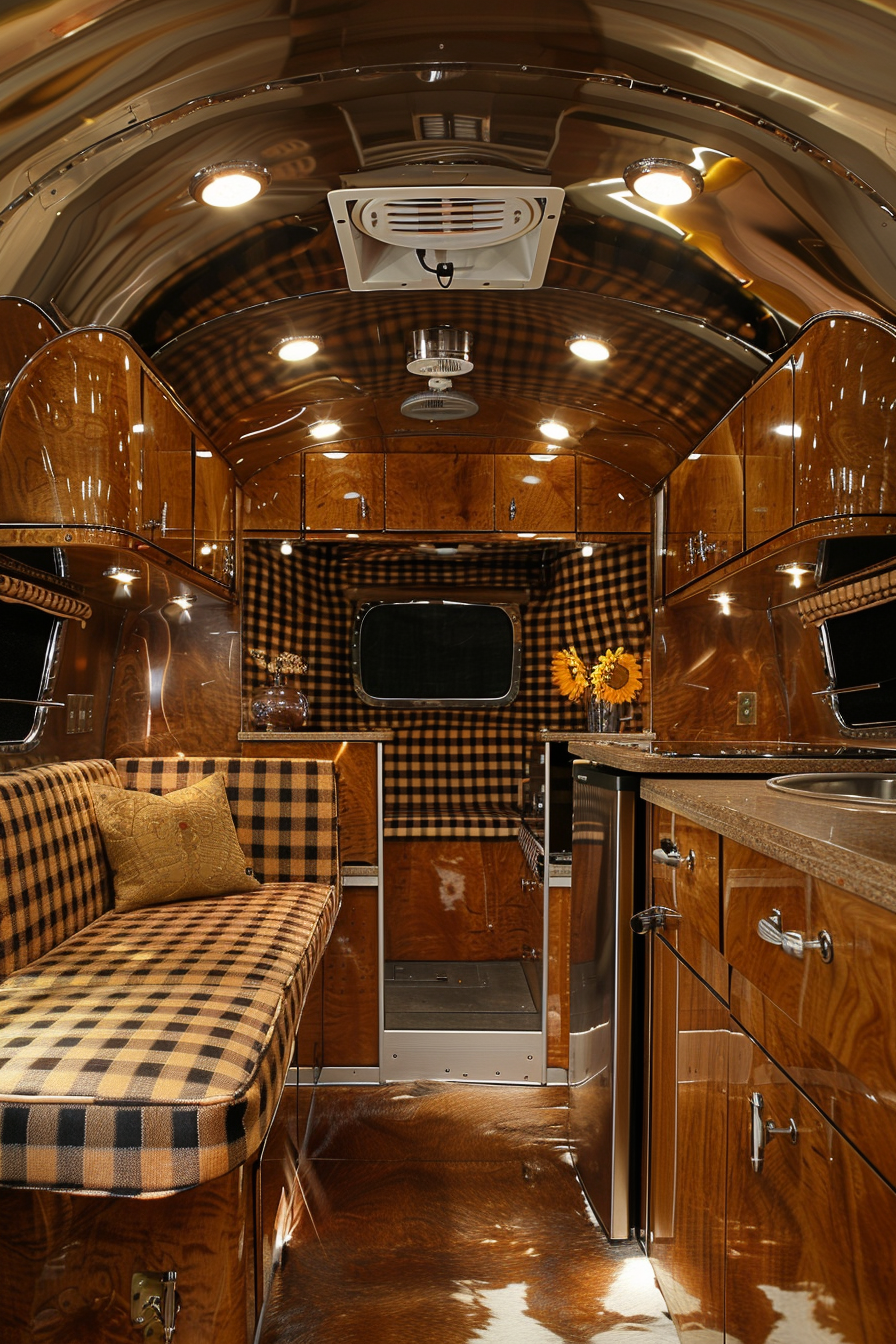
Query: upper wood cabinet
{"type": "Point", "coordinates": [440, 492]}
{"type": "Point", "coordinates": [344, 494]}
{"type": "Point", "coordinates": [272, 499]}
{"type": "Point", "coordinates": [609, 502]}
{"type": "Point", "coordinates": [535, 496]}
{"type": "Point", "coordinates": [705, 504]}
{"type": "Point", "coordinates": [166, 459]}
{"type": "Point", "coordinates": [768, 457]}
{"type": "Point", "coordinates": [213, 513]}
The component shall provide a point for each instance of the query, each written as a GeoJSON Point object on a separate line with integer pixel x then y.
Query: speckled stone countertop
{"type": "Point", "coordinates": [646, 757]}
{"type": "Point", "coordinates": [853, 847]}
{"type": "Point", "coordinates": [309, 735]}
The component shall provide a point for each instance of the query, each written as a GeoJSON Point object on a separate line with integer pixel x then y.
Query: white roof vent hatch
{"type": "Point", "coordinates": [461, 237]}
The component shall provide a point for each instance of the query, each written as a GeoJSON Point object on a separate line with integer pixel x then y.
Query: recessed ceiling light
{"type": "Point", "coordinates": [590, 349]}
{"type": "Point", "coordinates": [663, 181]}
{"type": "Point", "coordinates": [551, 429]}
{"type": "Point", "coordinates": [324, 429]}
{"type": "Point", "coordinates": [229, 184]}
{"type": "Point", "coordinates": [296, 348]}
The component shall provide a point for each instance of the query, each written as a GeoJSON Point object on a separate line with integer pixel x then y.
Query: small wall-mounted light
{"type": "Point", "coordinates": [587, 550]}
{"type": "Point", "coordinates": [335, 457]}
{"type": "Point", "coordinates": [324, 429]}
{"type": "Point", "coordinates": [286, 548]}
{"type": "Point", "coordinates": [797, 572]}
{"type": "Point", "coordinates": [526, 536]}
{"type": "Point", "coordinates": [552, 429]}
{"type": "Point", "coordinates": [121, 574]}
{"type": "Point", "coordinates": [228, 184]}
{"type": "Point", "coordinates": [208, 547]}
{"type": "Point", "coordinates": [589, 348]}
{"type": "Point", "coordinates": [724, 601]}
{"type": "Point", "coordinates": [296, 348]}
{"type": "Point", "coordinates": [179, 607]}
{"type": "Point", "coordinates": [663, 181]}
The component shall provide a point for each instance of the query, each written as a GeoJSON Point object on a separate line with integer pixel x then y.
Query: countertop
{"type": "Point", "coordinates": [643, 756]}
{"type": "Point", "coordinates": [309, 735]}
{"type": "Point", "coordinates": [850, 846]}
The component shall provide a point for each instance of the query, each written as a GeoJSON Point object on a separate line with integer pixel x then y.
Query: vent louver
{"type": "Point", "coordinates": [447, 405]}
{"type": "Point", "coordinates": [495, 237]}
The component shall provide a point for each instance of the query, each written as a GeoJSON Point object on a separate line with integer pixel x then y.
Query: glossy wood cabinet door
{"type": "Point", "coordinates": [213, 513]}
{"type": "Point", "coordinates": [705, 505]}
{"type": "Point", "coordinates": [810, 1235]}
{"type": "Point", "coordinates": [688, 1119]}
{"type": "Point", "coordinates": [166, 499]}
{"type": "Point", "coordinates": [768, 457]}
{"type": "Point", "coordinates": [440, 492]}
{"type": "Point", "coordinates": [272, 499]}
{"type": "Point", "coordinates": [693, 890]}
{"type": "Point", "coordinates": [344, 494]}
{"type": "Point", "coordinates": [610, 502]}
{"type": "Point", "coordinates": [535, 496]}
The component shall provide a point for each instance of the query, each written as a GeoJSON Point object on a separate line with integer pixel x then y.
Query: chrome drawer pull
{"type": "Point", "coordinates": [670, 855]}
{"type": "Point", "coordinates": [794, 944]}
{"type": "Point", "coordinates": [761, 1131]}
{"type": "Point", "coordinates": [655, 918]}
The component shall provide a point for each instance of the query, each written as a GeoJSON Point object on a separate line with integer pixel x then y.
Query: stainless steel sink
{"type": "Point", "coordinates": [876, 790]}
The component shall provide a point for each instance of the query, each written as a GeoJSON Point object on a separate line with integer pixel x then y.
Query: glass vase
{"type": "Point", "coordinates": [279, 707]}
{"type": "Point", "coordinates": [602, 716]}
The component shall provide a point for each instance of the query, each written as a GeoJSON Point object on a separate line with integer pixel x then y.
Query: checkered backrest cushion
{"type": "Point", "coordinates": [55, 876]}
{"type": "Point", "coordinates": [284, 810]}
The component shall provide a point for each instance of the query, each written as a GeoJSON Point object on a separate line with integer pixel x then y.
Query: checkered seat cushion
{"type": "Point", "coordinates": [146, 1052]}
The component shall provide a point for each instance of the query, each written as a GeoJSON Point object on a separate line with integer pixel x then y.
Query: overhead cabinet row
{"type": "Point", "coordinates": [808, 442]}
{"type": "Point", "coordinates": [452, 492]}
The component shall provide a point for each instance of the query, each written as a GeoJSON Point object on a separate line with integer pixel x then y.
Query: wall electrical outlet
{"type": "Point", "coordinates": [746, 708]}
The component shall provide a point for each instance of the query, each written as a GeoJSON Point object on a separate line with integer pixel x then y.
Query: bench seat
{"type": "Point", "coordinates": [146, 1051]}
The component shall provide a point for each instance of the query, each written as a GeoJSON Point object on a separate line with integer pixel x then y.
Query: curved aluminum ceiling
{"type": "Point", "coordinates": [107, 111]}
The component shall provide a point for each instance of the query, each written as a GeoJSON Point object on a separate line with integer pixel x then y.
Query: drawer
{"type": "Point", "coordinates": [845, 1003]}
{"type": "Point", "coordinates": [693, 889]}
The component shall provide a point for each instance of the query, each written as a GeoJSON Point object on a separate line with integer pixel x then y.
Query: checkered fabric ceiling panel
{"type": "Point", "coordinates": [449, 771]}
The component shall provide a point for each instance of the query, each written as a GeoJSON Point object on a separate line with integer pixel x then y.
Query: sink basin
{"type": "Point", "coordinates": [875, 790]}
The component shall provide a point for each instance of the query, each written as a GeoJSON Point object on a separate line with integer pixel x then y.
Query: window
{"type": "Point", "coordinates": [30, 640]}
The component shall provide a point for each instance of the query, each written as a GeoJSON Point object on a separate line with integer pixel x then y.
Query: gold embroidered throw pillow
{"type": "Point", "coordinates": [170, 848]}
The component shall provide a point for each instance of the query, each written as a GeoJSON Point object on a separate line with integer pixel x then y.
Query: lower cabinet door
{"type": "Point", "coordinates": [688, 1118]}
{"type": "Point", "coordinates": [811, 1225]}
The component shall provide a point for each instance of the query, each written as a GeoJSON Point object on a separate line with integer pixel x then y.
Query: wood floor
{"type": "Point", "coordinates": [450, 1213]}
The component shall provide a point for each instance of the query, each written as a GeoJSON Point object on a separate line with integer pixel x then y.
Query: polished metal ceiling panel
{"type": "Point", "coordinates": [106, 112]}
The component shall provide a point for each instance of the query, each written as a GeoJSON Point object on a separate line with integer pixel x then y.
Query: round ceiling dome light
{"type": "Point", "coordinates": [663, 181]}
{"type": "Point", "coordinates": [296, 348]}
{"type": "Point", "coordinates": [590, 349]}
{"type": "Point", "coordinates": [552, 429]}
{"type": "Point", "coordinates": [228, 184]}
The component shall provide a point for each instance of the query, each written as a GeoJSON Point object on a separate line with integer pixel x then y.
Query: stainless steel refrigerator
{"type": "Point", "coordinates": [605, 811]}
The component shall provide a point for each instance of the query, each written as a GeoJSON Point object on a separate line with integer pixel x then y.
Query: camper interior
{"type": "Point", "coordinates": [448, 677]}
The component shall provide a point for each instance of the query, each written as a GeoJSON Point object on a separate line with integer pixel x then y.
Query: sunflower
{"type": "Point", "coordinates": [616, 677]}
{"type": "Point", "coordinates": [568, 673]}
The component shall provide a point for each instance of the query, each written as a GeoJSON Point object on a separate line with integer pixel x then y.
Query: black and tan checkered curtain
{"type": "Point", "coordinates": [448, 772]}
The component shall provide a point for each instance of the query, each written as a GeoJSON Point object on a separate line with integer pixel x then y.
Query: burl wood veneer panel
{"type": "Point", "coordinates": [809, 1237]}
{"type": "Point", "coordinates": [705, 496]}
{"type": "Point", "coordinates": [846, 1005]}
{"type": "Point", "coordinates": [68, 450]}
{"type": "Point", "coordinates": [610, 502]}
{"type": "Point", "coordinates": [535, 496]}
{"type": "Point", "coordinates": [356, 783]}
{"type": "Point", "coordinates": [344, 494]}
{"type": "Point", "coordinates": [846, 418]}
{"type": "Point", "coordinates": [457, 900]}
{"type": "Point", "coordinates": [768, 457]}
{"type": "Point", "coordinates": [272, 499]}
{"type": "Point", "coordinates": [439, 492]}
{"type": "Point", "coordinates": [23, 330]}
{"type": "Point", "coordinates": [693, 888]}
{"type": "Point", "coordinates": [66, 1263]}
{"type": "Point", "coordinates": [688, 1122]}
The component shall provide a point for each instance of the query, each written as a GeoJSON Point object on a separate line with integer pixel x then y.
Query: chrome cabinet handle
{"type": "Point", "coordinates": [512, 510]}
{"type": "Point", "coordinates": [700, 547]}
{"type": "Point", "coordinates": [363, 506]}
{"type": "Point", "coordinates": [656, 917]}
{"type": "Point", "coordinates": [763, 1130]}
{"type": "Point", "coordinates": [794, 944]}
{"type": "Point", "coordinates": [670, 856]}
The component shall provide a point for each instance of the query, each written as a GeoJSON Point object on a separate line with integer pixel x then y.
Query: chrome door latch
{"type": "Point", "coordinates": [670, 855]}
{"type": "Point", "coordinates": [772, 931]}
{"type": "Point", "coordinates": [656, 917]}
{"type": "Point", "coordinates": [763, 1130]}
{"type": "Point", "coordinates": [512, 510]}
{"type": "Point", "coordinates": [155, 1304]}
{"type": "Point", "coordinates": [700, 547]}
